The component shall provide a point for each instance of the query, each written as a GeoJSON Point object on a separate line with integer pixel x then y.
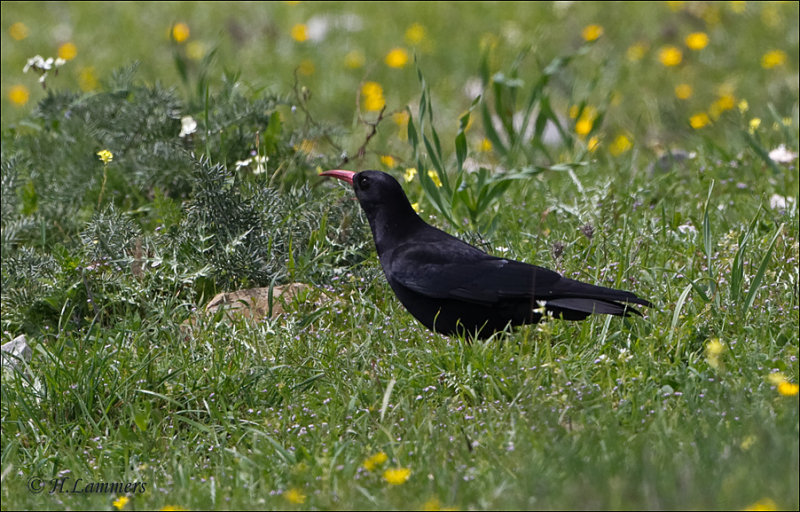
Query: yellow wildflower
{"type": "Point", "coordinates": [715, 347]}
{"type": "Point", "coordinates": [700, 120]}
{"type": "Point", "coordinates": [714, 350]}
{"type": "Point", "coordinates": [120, 502]}
{"type": "Point", "coordinates": [683, 91]}
{"type": "Point", "coordinates": [764, 504]}
{"type": "Point", "coordinates": [388, 160]}
{"type": "Point", "coordinates": [697, 40]}
{"type": "Point", "coordinates": [401, 118]}
{"type": "Point", "coordinates": [786, 388]}
{"type": "Point", "coordinates": [723, 103]}
{"type": "Point", "coordinates": [583, 126]}
{"type": "Point", "coordinates": [486, 145]}
{"type": "Point", "coordinates": [354, 59]}
{"type": "Point", "coordinates": [375, 103]}
{"type": "Point", "coordinates": [415, 34]}
{"type": "Point", "coordinates": [636, 52]}
{"type": "Point", "coordinates": [373, 96]}
{"type": "Point", "coordinates": [180, 32]}
{"type": "Point", "coordinates": [783, 385]}
{"type": "Point", "coordinates": [670, 55]}
{"type": "Point", "coordinates": [415, 207]}
{"type": "Point", "coordinates": [747, 442]}
{"type": "Point", "coordinates": [397, 476]}
{"type": "Point", "coordinates": [434, 176]}
{"type": "Point", "coordinates": [753, 125]}
{"type": "Point", "coordinates": [620, 145]}
{"type": "Point", "coordinates": [591, 32]}
{"type": "Point", "coordinates": [573, 111]}
{"type": "Point", "coordinates": [371, 89]}
{"type": "Point", "coordinates": [376, 460]}
{"type": "Point", "coordinates": [409, 174]}
{"type": "Point", "coordinates": [586, 121]}
{"type": "Point", "coordinates": [397, 58]}
{"type": "Point", "coordinates": [727, 102]}
{"type": "Point", "coordinates": [18, 31]}
{"type": "Point", "coordinates": [593, 144]}
{"type": "Point", "coordinates": [773, 59]}
{"type": "Point", "coordinates": [18, 95]}
{"type": "Point", "coordinates": [295, 496]}
{"type": "Point", "coordinates": [105, 156]}
{"type": "Point", "coordinates": [675, 6]}
{"type": "Point", "coordinates": [743, 106]}
{"type": "Point", "coordinates": [172, 508]}
{"type": "Point", "coordinates": [67, 51]}
{"type": "Point", "coordinates": [300, 32]}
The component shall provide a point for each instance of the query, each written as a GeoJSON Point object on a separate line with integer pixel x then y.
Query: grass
{"type": "Point", "coordinates": [692, 406]}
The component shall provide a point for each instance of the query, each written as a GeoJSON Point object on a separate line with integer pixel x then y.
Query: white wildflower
{"type": "Point", "coordinates": [188, 126]}
{"type": "Point", "coordinates": [625, 355]}
{"type": "Point", "coordinates": [782, 155]}
{"type": "Point", "coordinates": [243, 163]}
{"type": "Point", "coordinates": [261, 164]}
{"type": "Point", "coordinates": [779, 202]}
{"type": "Point", "coordinates": [43, 66]}
{"type": "Point", "coordinates": [317, 28]}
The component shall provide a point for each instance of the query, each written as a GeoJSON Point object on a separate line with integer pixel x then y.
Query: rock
{"type": "Point", "coordinates": [253, 303]}
{"type": "Point", "coordinates": [16, 351]}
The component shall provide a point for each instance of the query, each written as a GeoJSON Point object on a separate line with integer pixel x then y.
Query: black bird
{"type": "Point", "coordinates": [453, 287]}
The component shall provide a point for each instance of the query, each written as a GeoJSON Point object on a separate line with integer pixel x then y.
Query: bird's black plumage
{"type": "Point", "coordinates": [453, 287]}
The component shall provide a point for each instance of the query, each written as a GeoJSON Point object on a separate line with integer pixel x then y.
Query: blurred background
{"type": "Point", "coordinates": [652, 73]}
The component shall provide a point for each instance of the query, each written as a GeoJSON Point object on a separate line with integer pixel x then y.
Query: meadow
{"type": "Point", "coordinates": [157, 154]}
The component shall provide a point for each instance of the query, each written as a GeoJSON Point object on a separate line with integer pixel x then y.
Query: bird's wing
{"type": "Point", "coordinates": [468, 275]}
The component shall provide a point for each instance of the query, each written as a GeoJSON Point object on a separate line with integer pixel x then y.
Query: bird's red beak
{"type": "Point", "coordinates": [340, 174]}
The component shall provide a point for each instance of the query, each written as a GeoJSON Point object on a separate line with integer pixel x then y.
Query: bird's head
{"type": "Point", "coordinates": [376, 191]}
{"type": "Point", "coordinates": [386, 206]}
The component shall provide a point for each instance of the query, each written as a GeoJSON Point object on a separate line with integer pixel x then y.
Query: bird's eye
{"type": "Point", "coordinates": [363, 182]}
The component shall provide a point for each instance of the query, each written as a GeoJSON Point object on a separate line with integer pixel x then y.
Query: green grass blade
{"type": "Point", "coordinates": [387, 395]}
{"type": "Point", "coordinates": [762, 268]}
{"type": "Point", "coordinates": [676, 316]}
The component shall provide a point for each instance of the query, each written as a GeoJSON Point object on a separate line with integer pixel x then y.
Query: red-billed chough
{"type": "Point", "coordinates": [453, 287]}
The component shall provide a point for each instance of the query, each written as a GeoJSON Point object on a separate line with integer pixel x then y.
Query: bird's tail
{"type": "Point", "coordinates": [575, 300]}
{"type": "Point", "coordinates": [580, 308]}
